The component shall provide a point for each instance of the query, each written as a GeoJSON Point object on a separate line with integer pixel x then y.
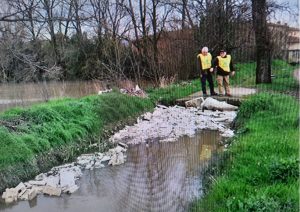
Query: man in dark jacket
{"type": "Point", "coordinates": [225, 68]}
{"type": "Point", "coordinates": [204, 66]}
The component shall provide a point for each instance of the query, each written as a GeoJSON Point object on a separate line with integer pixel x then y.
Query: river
{"type": "Point", "coordinates": [24, 94]}
{"type": "Point", "coordinates": [157, 176]}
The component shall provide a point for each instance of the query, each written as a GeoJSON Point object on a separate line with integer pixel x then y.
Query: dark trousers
{"type": "Point", "coordinates": [207, 76]}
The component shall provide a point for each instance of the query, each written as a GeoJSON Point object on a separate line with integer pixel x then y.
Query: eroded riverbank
{"type": "Point", "coordinates": [168, 175]}
{"type": "Point", "coordinates": [156, 177]}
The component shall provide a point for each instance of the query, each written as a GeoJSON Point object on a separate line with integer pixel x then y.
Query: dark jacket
{"type": "Point", "coordinates": [220, 71]}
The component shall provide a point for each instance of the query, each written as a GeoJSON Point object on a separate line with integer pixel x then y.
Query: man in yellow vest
{"type": "Point", "coordinates": [224, 66]}
{"type": "Point", "coordinates": [204, 65]}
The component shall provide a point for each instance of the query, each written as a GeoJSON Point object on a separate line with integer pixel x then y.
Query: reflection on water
{"type": "Point", "coordinates": [24, 94]}
{"type": "Point", "coordinates": [155, 177]}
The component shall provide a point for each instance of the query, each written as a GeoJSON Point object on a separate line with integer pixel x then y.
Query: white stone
{"type": "Point", "coordinates": [24, 196]}
{"type": "Point", "coordinates": [32, 193]}
{"type": "Point", "coordinates": [67, 179]}
{"type": "Point", "coordinates": [105, 158]}
{"type": "Point", "coordinates": [119, 149]}
{"type": "Point", "coordinates": [28, 185]}
{"type": "Point", "coordinates": [213, 104]}
{"type": "Point", "coordinates": [228, 133]}
{"type": "Point", "coordinates": [38, 183]}
{"type": "Point", "coordinates": [77, 171]}
{"type": "Point", "coordinates": [22, 192]}
{"type": "Point", "coordinates": [41, 176]}
{"type": "Point", "coordinates": [39, 189]}
{"type": "Point", "coordinates": [117, 159]}
{"type": "Point", "coordinates": [172, 122]}
{"type": "Point", "coordinates": [52, 181]}
{"type": "Point", "coordinates": [10, 195]}
{"type": "Point", "coordinates": [20, 187]}
{"type": "Point", "coordinates": [194, 102]}
{"type": "Point", "coordinates": [71, 189]}
{"type": "Point", "coordinates": [51, 191]}
{"type": "Point", "coordinates": [88, 166]}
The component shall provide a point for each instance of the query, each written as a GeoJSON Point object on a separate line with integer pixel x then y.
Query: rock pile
{"type": "Point", "coordinates": [169, 123]}
{"type": "Point", "coordinates": [62, 179]}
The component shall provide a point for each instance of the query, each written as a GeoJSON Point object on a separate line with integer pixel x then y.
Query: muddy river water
{"type": "Point", "coordinates": [157, 176]}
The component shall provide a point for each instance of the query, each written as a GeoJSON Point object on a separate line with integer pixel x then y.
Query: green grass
{"type": "Point", "coordinates": [168, 95]}
{"type": "Point", "coordinates": [283, 77]}
{"type": "Point", "coordinates": [245, 75]}
{"type": "Point", "coordinates": [60, 122]}
{"type": "Point", "coordinates": [283, 81]}
{"type": "Point", "coordinates": [26, 134]}
{"type": "Point", "coordinates": [263, 170]}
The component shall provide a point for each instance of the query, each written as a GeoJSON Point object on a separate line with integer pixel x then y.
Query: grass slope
{"type": "Point", "coordinates": [262, 173]}
{"type": "Point", "coordinates": [37, 138]}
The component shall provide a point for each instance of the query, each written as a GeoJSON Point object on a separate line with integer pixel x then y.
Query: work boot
{"type": "Point", "coordinates": [214, 94]}
{"type": "Point", "coordinates": [229, 95]}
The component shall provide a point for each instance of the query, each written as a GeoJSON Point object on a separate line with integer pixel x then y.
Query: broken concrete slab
{"type": "Point", "coordinates": [10, 195]}
{"type": "Point", "coordinates": [67, 179]}
{"type": "Point", "coordinates": [37, 183]}
{"type": "Point", "coordinates": [71, 189]}
{"type": "Point", "coordinates": [41, 176]}
{"type": "Point", "coordinates": [194, 102]}
{"type": "Point", "coordinates": [20, 187]}
{"type": "Point", "coordinates": [52, 181]}
{"type": "Point", "coordinates": [213, 104]}
{"type": "Point", "coordinates": [51, 191]}
{"type": "Point", "coordinates": [24, 196]}
{"type": "Point", "coordinates": [32, 193]}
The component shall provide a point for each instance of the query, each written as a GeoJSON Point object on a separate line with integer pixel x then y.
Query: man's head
{"type": "Point", "coordinates": [222, 53]}
{"type": "Point", "coordinates": [204, 50]}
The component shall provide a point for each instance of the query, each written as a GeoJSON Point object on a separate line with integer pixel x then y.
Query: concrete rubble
{"type": "Point", "coordinates": [210, 104]}
{"type": "Point", "coordinates": [213, 104]}
{"type": "Point", "coordinates": [165, 123]}
{"type": "Point", "coordinates": [169, 123]}
{"type": "Point", "coordinates": [62, 179]}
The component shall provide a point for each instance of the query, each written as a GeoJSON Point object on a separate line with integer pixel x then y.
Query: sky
{"type": "Point", "coordinates": [292, 18]}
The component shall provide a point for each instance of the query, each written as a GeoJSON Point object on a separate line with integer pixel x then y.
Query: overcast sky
{"type": "Point", "coordinates": [285, 17]}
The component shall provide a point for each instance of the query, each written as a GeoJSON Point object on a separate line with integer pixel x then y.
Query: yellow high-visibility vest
{"type": "Point", "coordinates": [224, 62]}
{"type": "Point", "coordinates": [205, 60]}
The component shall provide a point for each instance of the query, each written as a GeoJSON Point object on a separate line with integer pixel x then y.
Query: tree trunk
{"type": "Point", "coordinates": [263, 50]}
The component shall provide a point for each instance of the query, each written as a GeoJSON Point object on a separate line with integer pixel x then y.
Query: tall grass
{"type": "Point", "coordinates": [26, 134]}
{"type": "Point", "coordinates": [262, 174]}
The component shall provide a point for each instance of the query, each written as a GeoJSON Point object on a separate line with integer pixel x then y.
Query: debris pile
{"type": "Point", "coordinates": [62, 179]}
{"type": "Point", "coordinates": [169, 123]}
{"type": "Point", "coordinates": [134, 92]}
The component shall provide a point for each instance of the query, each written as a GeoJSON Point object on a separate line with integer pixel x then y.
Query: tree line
{"type": "Point", "coordinates": [120, 39]}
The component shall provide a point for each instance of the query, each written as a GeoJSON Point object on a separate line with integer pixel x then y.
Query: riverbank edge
{"type": "Point", "coordinates": [43, 162]}
{"type": "Point", "coordinates": [218, 177]}
{"type": "Point", "coordinates": [12, 175]}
